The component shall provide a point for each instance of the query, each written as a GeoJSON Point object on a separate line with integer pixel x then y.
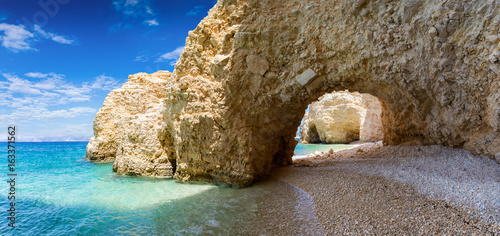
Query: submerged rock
{"type": "Point", "coordinates": [229, 118]}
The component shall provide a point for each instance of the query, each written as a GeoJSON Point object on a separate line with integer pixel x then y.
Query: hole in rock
{"type": "Point", "coordinates": [337, 121]}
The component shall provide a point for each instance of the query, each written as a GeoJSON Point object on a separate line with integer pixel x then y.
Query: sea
{"type": "Point", "coordinates": [58, 192]}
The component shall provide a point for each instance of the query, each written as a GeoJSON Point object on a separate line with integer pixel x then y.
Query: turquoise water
{"type": "Point", "coordinates": [59, 192]}
{"type": "Point", "coordinates": [301, 150]}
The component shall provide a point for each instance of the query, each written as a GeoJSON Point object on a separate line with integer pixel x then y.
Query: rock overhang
{"type": "Point", "coordinates": [231, 109]}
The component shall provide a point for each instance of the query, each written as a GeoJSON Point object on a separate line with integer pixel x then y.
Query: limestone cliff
{"type": "Point", "coordinates": [342, 117]}
{"type": "Point", "coordinates": [371, 126]}
{"type": "Point", "coordinates": [251, 68]}
{"type": "Point", "coordinates": [126, 128]}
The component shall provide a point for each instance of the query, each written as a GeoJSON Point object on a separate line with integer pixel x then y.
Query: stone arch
{"type": "Point", "coordinates": [342, 117]}
{"type": "Point", "coordinates": [250, 69]}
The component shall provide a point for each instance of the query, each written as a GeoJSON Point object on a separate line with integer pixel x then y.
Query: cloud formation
{"type": "Point", "coordinates": [31, 99]}
{"type": "Point", "coordinates": [139, 9]}
{"type": "Point", "coordinates": [197, 10]}
{"type": "Point", "coordinates": [152, 22]}
{"type": "Point", "coordinates": [54, 37]}
{"type": "Point", "coordinates": [172, 56]}
{"type": "Point", "coordinates": [141, 58]}
{"type": "Point", "coordinates": [18, 38]}
{"type": "Point", "coordinates": [15, 37]}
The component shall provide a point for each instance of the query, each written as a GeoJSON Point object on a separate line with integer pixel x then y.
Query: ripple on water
{"type": "Point", "coordinates": [60, 193]}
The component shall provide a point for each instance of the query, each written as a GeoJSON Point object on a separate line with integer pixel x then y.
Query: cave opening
{"type": "Point", "coordinates": [332, 118]}
{"type": "Point", "coordinates": [337, 121]}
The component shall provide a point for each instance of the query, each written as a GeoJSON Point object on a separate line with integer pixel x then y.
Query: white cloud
{"type": "Point", "coordinates": [49, 83]}
{"type": "Point", "coordinates": [70, 113]}
{"type": "Point", "coordinates": [170, 56]}
{"type": "Point", "coordinates": [62, 40]}
{"type": "Point", "coordinates": [104, 82]}
{"type": "Point", "coordinates": [55, 131]}
{"type": "Point", "coordinates": [149, 11]}
{"type": "Point", "coordinates": [197, 10]}
{"type": "Point", "coordinates": [31, 100]}
{"type": "Point", "coordinates": [54, 37]}
{"type": "Point", "coordinates": [133, 8]}
{"type": "Point", "coordinates": [74, 94]}
{"type": "Point", "coordinates": [140, 10]}
{"type": "Point", "coordinates": [31, 112]}
{"type": "Point", "coordinates": [18, 85]}
{"type": "Point", "coordinates": [16, 37]}
{"type": "Point", "coordinates": [131, 2]}
{"type": "Point", "coordinates": [36, 75]}
{"type": "Point", "coordinates": [141, 58]}
{"type": "Point", "coordinates": [152, 22]}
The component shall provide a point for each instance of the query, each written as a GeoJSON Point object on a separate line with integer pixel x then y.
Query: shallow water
{"type": "Point", "coordinates": [301, 150]}
{"type": "Point", "coordinates": [59, 192]}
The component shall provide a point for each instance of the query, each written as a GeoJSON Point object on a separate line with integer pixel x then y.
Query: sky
{"type": "Point", "coordinates": [60, 58]}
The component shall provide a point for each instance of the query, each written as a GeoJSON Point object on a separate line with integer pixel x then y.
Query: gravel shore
{"type": "Point", "coordinates": [374, 190]}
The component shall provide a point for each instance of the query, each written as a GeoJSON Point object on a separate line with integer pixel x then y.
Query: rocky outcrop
{"type": "Point", "coordinates": [371, 126]}
{"type": "Point", "coordinates": [251, 68]}
{"type": "Point", "coordinates": [335, 118]}
{"type": "Point", "coordinates": [126, 127]}
{"type": "Point", "coordinates": [343, 117]}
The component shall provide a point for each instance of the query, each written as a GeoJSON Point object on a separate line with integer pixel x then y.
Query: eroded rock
{"type": "Point", "coordinates": [342, 117]}
{"type": "Point", "coordinates": [126, 128]}
{"type": "Point", "coordinates": [433, 70]}
{"type": "Point", "coordinates": [371, 127]}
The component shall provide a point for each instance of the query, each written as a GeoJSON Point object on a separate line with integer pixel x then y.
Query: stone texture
{"type": "Point", "coordinates": [126, 128]}
{"type": "Point", "coordinates": [371, 126]}
{"type": "Point", "coordinates": [257, 65]}
{"type": "Point", "coordinates": [335, 118]}
{"type": "Point", "coordinates": [343, 117]}
{"type": "Point", "coordinates": [433, 65]}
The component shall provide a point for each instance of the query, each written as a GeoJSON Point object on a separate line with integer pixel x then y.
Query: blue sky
{"type": "Point", "coordinates": [60, 58]}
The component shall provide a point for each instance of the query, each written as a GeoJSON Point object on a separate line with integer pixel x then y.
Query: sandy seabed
{"type": "Point", "coordinates": [395, 190]}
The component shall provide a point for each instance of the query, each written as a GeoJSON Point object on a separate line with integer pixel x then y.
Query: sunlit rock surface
{"type": "Point", "coordinates": [126, 128]}
{"type": "Point", "coordinates": [342, 117]}
{"type": "Point", "coordinates": [251, 68]}
{"type": "Point", "coordinates": [371, 127]}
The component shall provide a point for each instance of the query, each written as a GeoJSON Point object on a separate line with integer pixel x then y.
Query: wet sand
{"type": "Point", "coordinates": [374, 190]}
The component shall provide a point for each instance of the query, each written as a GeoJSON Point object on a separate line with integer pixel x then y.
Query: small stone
{"type": "Point", "coordinates": [257, 64]}
{"type": "Point", "coordinates": [305, 76]}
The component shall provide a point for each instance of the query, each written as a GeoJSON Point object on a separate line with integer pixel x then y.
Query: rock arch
{"type": "Point", "coordinates": [342, 117]}
{"type": "Point", "coordinates": [250, 68]}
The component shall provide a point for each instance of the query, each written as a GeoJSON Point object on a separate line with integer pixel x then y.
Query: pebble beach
{"type": "Point", "coordinates": [375, 190]}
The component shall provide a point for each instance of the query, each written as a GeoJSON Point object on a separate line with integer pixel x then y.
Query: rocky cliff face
{"type": "Point", "coordinates": [342, 117]}
{"type": "Point", "coordinates": [250, 69]}
{"type": "Point", "coordinates": [371, 126]}
{"type": "Point", "coordinates": [126, 128]}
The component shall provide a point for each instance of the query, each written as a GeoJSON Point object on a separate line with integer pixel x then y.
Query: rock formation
{"type": "Point", "coordinates": [251, 68]}
{"type": "Point", "coordinates": [371, 126]}
{"type": "Point", "coordinates": [335, 118]}
{"type": "Point", "coordinates": [126, 127]}
{"type": "Point", "coordinates": [342, 117]}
